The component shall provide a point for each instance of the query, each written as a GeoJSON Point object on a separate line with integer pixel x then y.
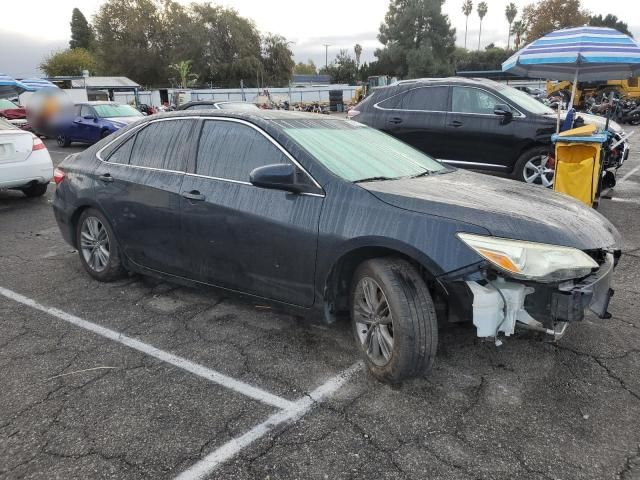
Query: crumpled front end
{"type": "Point", "coordinates": [501, 304]}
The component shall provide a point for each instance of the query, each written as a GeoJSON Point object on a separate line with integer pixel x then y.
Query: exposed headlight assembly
{"type": "Point", "coordinates": [529, 260]}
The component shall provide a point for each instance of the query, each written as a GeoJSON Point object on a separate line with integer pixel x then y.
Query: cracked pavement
{"type": "Point", "coordinates": [76, 405]}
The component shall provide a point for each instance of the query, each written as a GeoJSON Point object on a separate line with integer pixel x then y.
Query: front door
{"type": "Point", "coordinates": [242, 237]}
{"type": "Point", "coordinates": [138, 188]}
{"type": "Point", "coordinates": [475, 136]}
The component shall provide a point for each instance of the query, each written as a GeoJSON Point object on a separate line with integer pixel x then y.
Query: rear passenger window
{"type": "Point", "coordinates": [425, 98]}
{"type": "Point", "coordinates": [231, 150]}
{"type": "Point", "coordinates": [121, 153]}
{"type": "Point", "coordinates": [163, 145]}
{"type": "Point", "coordinates": [393, 102]}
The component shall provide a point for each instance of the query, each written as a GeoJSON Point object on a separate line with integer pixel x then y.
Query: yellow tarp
{"type": "Point", "coordinates": [577, 170]}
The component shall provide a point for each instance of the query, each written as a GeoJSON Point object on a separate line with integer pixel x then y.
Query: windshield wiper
{"type": "Point", "coordinates": [423, 174]}
{"type": "Point", "coordinates": [372, 179]}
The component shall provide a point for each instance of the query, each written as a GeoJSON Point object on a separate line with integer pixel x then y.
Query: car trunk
{"type": "Point", "coordinates": [15, 145]}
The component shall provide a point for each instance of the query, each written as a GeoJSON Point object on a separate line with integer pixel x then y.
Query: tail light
{"type": "Point", "coordinates": [38, 144]}
{"type": "Point", "coordinates": [353, 113]}
{"type": "Point", "coordinates": [58, 175]}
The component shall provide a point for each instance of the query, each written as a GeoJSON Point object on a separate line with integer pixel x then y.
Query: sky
{"type": "Point", "coordinates": [42, 26]}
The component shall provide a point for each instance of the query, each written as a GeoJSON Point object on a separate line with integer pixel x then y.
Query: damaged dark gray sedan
{"type": "Point", "coordinates": [328, 215]}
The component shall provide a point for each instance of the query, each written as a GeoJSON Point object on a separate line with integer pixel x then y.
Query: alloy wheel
{"type": "Point", "coordinates": [94, 244]}
{"type": "Point", "coordinates": [373, 321]}
{"type": "Point", "coordinates": [539, 171]}
{"type": "Point", "coordinates": [61, 140]}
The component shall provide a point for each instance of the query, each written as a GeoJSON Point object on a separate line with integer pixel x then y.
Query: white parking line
{"type": "Point", "coordinates": [629, 174]}
{"type": "Point", "coordinates": [182, 363]}
{"type": "Point", "coordinates": [230, 449]}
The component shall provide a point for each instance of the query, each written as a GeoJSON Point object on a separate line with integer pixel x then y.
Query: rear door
{"type": "Point", "coordinates": [417, 117]}
{"type": "Point", "coordinates": [139, 190]}
{"type": "Point", "coordinates": [243, 237]}
{"type": "Point", "coordinates": [475, 136]}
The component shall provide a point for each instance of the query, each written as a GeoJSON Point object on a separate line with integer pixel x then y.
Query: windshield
{"type": "Point", "coordinates": [108, 110]}
{"type": "Point", "coordinates": [6, 104]}
{"type": "Point", "coordinates": [526, 101]}
{"type": "Point", "coordinates": [356, 152]}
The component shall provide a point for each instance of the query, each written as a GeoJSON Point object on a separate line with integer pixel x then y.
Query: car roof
{"type": "Point", "coordinates": [449, 81]}
{"type": "Point", "coordinates": [267, 119]}
{"type": "Point", "coordinates": [98, 102]}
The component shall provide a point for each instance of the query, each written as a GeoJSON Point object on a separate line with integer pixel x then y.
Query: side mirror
{"type": "Point", "coordinates": [279, 176]}
{"type": "Point", "coordinates": [503, 109]}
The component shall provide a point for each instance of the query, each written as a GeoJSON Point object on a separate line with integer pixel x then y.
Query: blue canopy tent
{"type": "Point", "coordinates": [37, 83]}
{"type": "Point", "coordinates": [10, 87]}
{"type": "Point", "coordinates": [578, 54]}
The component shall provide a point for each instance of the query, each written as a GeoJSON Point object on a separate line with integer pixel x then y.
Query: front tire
{"type": "Point", "coordinates": [536, 166]}
{"type": "Point", "coordinates": [97, 247]}
{"type": "Point", "coordinates": [394, 319]}
{"type": "Point", "coordinates": [63, 141]}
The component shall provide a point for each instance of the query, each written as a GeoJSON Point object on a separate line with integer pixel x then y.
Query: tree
{"type": "Point", "coordinates": [549, 15]}
{"type": "Point", "coordinates": [482, 11]}
{"type": "Point", "coordinates": [277, 59]}
{"type": "Point", "coordinates": [357, 49]}
{"type": "Point", "coordinates": [308, 68]}
{"type": "Point", "coordinates": [343, 69]}
{"type": "Point", "coordinates": [70, 62]}
{"type": "Point", "coordinates": [81, 33]}
{"type": "Point", "coordinates": [490, 58]}
{"type": "Point", "coordinates": [417, 38]}
{"type": "Point", "coordinates": [467, 8]}
{"type": "Point", "coordinates": [129, 41]}
{"type": "Point", "coordinates": [183, 69]}
{"type": "Point", "coordinates": [510, 12]}
{"type": "Point", "coordinates": [610, 21]}
{"type": "Point", "coordinates": [519, 30]}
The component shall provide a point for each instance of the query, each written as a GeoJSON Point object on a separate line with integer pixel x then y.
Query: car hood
{"type": "Point", "coordinates": [505, 208]}
{"type": "Point", "coordinates": [125, 120]}
{"type": "Point", "coordinates": [591, 119]}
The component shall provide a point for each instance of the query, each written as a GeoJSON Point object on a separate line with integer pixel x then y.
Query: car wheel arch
{"type": "Point", "coordinates": [337, 281]}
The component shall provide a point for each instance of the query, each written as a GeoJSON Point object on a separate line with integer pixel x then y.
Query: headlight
{"type": "Point", "coordinates": [529, 260]}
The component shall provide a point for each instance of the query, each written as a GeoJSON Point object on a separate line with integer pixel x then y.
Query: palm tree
{"type": "Point", "coordinates": [357, 48]}
{"type": "Point", "coordinates": [183, 69]}
{"type": "Point", "coordinates": [467, 8]}
{"type": "Point", "coordinates": [511, 11]}
{"type": "Point", "coordinates": [482, 11]}
{"type": "Point", "coordinates": [519, 29]}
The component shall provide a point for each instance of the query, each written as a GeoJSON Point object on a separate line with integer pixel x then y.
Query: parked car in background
{"type": "Point", "coordinates": [323, 214]}
{"type": "Point", "coordinates": [25, 163]}
{"type": "Point", "coordinates": [473, 123]}
{"type": "Point", "coordinates": [223, 105]}
{"type": "Point", "coordinates": [92, 121]}
{"type": "Point", "coordinates": [13, 113]}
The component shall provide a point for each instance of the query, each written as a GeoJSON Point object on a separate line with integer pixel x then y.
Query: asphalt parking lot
{"type": "Point", "coordinates": [146, 379]}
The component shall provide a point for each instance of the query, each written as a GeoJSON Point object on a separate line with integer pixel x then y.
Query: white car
{"type": "Point", "coordinates": [25, 163]}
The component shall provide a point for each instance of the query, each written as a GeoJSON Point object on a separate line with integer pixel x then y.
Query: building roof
{"type": "Point", "coordinates": [103, 82]}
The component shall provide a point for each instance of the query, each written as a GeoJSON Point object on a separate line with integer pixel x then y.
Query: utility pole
{"type": "Point", "coordinates": [326, 54]}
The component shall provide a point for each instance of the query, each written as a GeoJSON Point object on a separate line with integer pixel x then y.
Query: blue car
{"type": "Point", "coordinates": [92, 121]}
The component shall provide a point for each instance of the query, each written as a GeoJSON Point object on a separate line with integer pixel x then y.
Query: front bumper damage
{"type": "Point", "coordinates": [501, 304]}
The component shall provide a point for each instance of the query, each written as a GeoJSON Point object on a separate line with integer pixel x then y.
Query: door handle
{"type": "Point", "coordinates": [395, 120]}
{"type": "Point", "coordinates": [455, 124]}
{"type": "Point", "coordinates": [193, 195]}
{"type": "Point", "coordinates": [107, 178]}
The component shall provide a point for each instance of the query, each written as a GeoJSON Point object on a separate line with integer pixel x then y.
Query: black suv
{"type": "Point", "coordinates": [470, 123]}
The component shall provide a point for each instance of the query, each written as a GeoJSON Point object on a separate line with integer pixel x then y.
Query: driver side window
{"type": "Point", "coordinates": [86, 111]}
{"type": "Point", "coordinates": [472, 100]}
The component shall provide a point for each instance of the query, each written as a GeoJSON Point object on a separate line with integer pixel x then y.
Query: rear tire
{"type": "Point", "coordinates": [104, 134]}
{"type": "Point", "coordinates": [35, 190]}
{"type": "Point", "coordinates": [394, 319]}
{"type": "Point", "coordinates": [97, 247]}
{"type": "Point", "coordinates": [533, 167]}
